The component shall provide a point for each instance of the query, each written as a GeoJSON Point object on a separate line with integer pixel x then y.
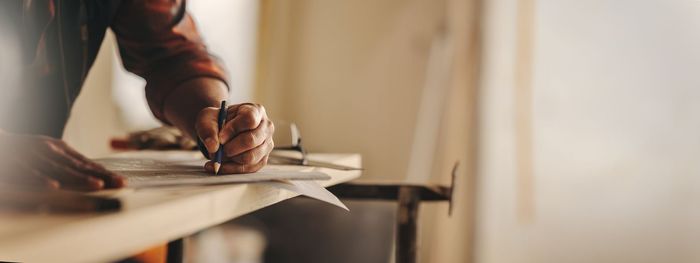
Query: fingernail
{"type": "Point", "coordinates": [53, 184]}
{"type": "Point", "coordinates": [117, 182]}
{"type": "Point", "coordinates": [96, 184]}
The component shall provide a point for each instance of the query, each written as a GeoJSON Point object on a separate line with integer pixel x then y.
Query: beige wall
{"type": "Point", "coordinates": [614, 133]}
{"type": "Point", "coordinates": [355, 74]}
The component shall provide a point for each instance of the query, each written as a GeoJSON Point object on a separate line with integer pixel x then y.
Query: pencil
{"type": "Point", "coordinates": [220, 153]}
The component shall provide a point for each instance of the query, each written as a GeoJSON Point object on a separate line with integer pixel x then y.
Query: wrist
{"type": "Point", "coordinates": [183, 105]}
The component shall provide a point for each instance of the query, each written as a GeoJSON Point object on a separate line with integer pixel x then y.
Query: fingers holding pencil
{"type": "Point", "coordinates": [244, 137]}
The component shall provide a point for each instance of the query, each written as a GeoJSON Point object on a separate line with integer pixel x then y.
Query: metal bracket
{"type": "Point", "coordinates": [408, 198]}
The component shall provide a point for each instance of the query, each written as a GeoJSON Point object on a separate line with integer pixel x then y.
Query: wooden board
{"type": "Point", "coordinates": [149, 217]}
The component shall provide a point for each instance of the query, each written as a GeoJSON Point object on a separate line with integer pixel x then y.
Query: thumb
{"type": "Point", "coordinates": [207, 128]}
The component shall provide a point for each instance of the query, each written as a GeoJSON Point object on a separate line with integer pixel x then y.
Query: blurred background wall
{"type": "Point", "coordinates": [392, 80]}
{"type": "Point", "coordinates": [602, 96]}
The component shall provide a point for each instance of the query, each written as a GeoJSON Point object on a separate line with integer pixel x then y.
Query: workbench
{"type": "Point", "coordinates": [148, 217]}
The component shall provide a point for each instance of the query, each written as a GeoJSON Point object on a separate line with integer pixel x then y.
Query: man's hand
{"type": "Point", "coordinates": [47, 163]}
{"type": "Point", "coordinates": [246, 137]}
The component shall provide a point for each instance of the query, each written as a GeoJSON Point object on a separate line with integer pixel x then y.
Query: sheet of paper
{"type": "Point", "coordinates": [311, 189]}
{"type": "Point", "coordinates": [146, 172]}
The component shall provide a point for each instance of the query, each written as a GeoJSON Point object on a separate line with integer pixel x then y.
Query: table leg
{"type": "Point", "coordinates": [175, 251]}
{"type": "Point", "coordinates": [406, 230]}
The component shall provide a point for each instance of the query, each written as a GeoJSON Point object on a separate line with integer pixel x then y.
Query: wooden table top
{"type": "Point", "coordinates": [149, 217]}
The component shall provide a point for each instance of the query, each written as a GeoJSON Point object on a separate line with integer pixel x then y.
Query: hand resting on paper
{"type": "Point", "coordinates": [246, 137]}
{"type": "Point", "coordinates": [40, 162]}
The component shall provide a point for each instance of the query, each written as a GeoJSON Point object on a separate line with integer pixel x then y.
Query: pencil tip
{"type": "Point", "coordinates": [217, 166]}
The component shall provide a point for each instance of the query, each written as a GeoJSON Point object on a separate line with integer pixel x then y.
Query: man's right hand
{"type": "Point", "coordinates": [43, 162]}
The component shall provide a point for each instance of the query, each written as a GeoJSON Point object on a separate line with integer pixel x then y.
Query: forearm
{"type": "Point", "coordinates": [182, 106]}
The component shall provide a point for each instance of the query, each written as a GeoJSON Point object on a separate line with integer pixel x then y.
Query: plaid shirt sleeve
{"type": "Point", "coordinates": [158, 40]}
